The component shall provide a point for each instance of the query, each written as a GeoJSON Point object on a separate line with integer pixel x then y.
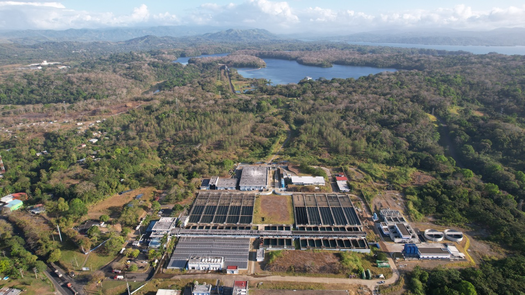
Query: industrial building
{"type": "Point", "coordinates": [253, 178]}
{"type": "Point", "coordinates": [397, 227]}
{"type": "Point", "coordinates": [206, 263]}
{"type": "Point", "coordinates": [440, 251]}
{"type": "Point", "coordinates": [308, 180]}
{"type": "Point", "coordinates": [342, 184]}
{"type": "Point", "coordinates": [204, 289]}
{"type": "Point", "coordinates": [219, 227]}
{"type": "Point", "coordinates": [233, 251]}
{"type": "Point", "coordinates": [226, 184]}
{"type": "Point", "coordinates": [167, 292]}
{"type": "Point", "coordinates": [205, 184]}
{"type": "Point", "coordinates": [163, 226]}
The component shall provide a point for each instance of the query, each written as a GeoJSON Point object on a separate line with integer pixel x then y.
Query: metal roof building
{"type": "Point", "coordinates": [226, 184]}
{"type": "Point", "coordinates": [235, 251]}
{"type": "Point", "coordinates": [308, 180]}
{"type": "Point", "coordinates": [254, 178]}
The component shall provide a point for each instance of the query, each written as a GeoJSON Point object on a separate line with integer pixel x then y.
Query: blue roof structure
{"type": "Point", "coordinates": [14, 203]}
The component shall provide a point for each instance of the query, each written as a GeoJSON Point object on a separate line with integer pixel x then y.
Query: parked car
{"type": "Point", "coordinates": [117, 271]}
{"type": "Point", "coordinates": [118, 277]}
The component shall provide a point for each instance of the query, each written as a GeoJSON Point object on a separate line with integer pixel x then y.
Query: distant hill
{"type": "Point", "coordinates": [232, 35]}
{"type": "Point", "coordinates": [498, 37]}
{"type": "Point", "coordinates": [151, 36]}
{"type": "Point", "coordinates": [111, 35]}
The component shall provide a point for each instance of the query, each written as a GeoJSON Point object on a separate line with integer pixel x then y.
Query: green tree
{"type": "Point", "coordinates": [62, 206]}
{"type": "Point", "coordinates": [77, 208]}
{"type": "Point", "coordinates": [155, 206]}
{"type": "Point", "coordinates": [55, 255]}
{"type": "Point", "coordinates": [466, 288]}
{"type": "Point", "coordinates": [133, 267]}
{"type": "Point", "coordinates": [5, 265]}
{"type": "Point", "coordinates": [135, 253]}
{"type": "Point", "coordinates": [104, 218]}
{"type": "Point", "coordinates": [114, 244]}
{"type": "Point", "coordinates": [40, 266]}
{"type": "Point", "coordinates": [93, 232]}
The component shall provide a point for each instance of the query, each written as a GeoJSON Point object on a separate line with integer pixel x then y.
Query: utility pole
{"type": "Point", "coordinates": [59, 234]}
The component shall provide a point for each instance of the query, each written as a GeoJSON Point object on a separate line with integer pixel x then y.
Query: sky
{"type": "Point", "coordinates": [291, 16]}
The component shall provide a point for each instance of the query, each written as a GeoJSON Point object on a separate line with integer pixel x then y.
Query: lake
{"type": "Point", "coordinates": [184, 60]}
{"type": "Point", "coordinates": [280, 71]}
{"type": "Point", "coordinates": [507, 50]}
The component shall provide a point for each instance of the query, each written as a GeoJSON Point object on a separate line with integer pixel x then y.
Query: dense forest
{"type": "Point", "coordinates": [455, 116]}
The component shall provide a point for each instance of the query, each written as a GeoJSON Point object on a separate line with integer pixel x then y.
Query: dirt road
{"type": "Point", "coordinates": [228, 279]}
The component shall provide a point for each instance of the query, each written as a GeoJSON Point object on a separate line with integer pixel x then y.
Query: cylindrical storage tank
{"type": "Point", "coordinates": [434, 235]}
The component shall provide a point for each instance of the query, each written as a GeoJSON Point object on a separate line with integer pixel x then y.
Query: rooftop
{"type": "Point", "coordinates": [14, 203]}
{"type": "Point", "coordinates": [227, 182]}
{"type": "Point", "coordinates": [308, 180]}
{"type": "Point", "coordinates": [433, 251]}
{"type": "Point", "coordinates": [254, 176]}
{"type": "Point", "coordinates": [234, 250]}
{"type": "Point", "coordinates": [202, 288]}
{"type": "Point", "coordinates": [403, 229]}
{"type": "Point", "coordinates": [164, 223]}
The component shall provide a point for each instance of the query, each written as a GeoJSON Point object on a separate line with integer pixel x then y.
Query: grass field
{"type": "Point", "coordinates": [31, 285]}
{"type": "Point", "coordinates": [273, 209]}
{"type": "Point", "coordinates": [73, 259]}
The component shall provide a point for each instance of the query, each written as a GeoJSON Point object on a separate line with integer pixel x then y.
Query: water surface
{"type": "Point", "coordinates": [507, 50]}
{"type": "Point", "coordinates": [280, 71]}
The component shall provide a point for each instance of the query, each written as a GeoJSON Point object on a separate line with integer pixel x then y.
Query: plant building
{"type": "Point", "coordinates": [253, 178]}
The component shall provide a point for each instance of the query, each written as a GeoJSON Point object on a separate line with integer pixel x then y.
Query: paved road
{"type": "Point", "coordinates": [57, 283]}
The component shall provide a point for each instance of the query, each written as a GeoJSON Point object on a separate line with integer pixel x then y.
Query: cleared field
{"type": "Point", "coordinates": [115, 202]}
{"type": "Point", "coordinates": [32, 285]}
{"type": "Point", "coordinates": [273, 209]}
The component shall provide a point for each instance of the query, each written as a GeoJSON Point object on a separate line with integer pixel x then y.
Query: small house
{"type": "Point", "coordinates": [240, 288]}
{"type": "Point", "coordinates": [14, 205]}
{"type": "Point", "coordinates": [232, 270]}
{"type": "Point", "coordinates": [93, 140]}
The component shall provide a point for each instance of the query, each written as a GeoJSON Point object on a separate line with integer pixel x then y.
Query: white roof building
{"type": "Point", "coordinates": [308, 180]}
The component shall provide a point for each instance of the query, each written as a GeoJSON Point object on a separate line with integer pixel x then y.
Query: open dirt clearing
{"type": "Point", "coordinates": [389, 199]}
{"type": "Point", "coordinates": [116, 202]}
{"type": "Point", "coordinates": [306, 262]}
{"type": "Point", "coordinates": [273, 209]}
{"type": "Point", "coordinates": [419, 178]}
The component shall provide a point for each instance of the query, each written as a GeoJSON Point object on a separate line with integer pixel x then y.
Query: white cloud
{"type": "Point", "coordinates": [277, 16]}
{"type": "Point", "coordinates": [36, 4]}
{"type": "Point", "coordinates": [16, 15]}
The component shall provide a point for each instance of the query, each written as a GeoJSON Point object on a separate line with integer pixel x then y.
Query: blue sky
{"type": "Point", "coordinates": [291, 16]}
